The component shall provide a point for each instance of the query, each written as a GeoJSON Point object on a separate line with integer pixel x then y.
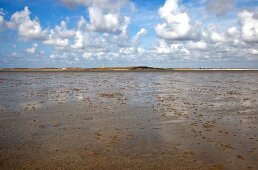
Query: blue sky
{"type": "Point", "coordinates": [160, 33]}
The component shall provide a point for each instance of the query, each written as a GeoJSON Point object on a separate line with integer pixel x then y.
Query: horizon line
{"type": "Point", "coordinates": [121, 68]}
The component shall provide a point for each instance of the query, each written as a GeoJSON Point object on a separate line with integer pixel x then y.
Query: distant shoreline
{"type": "Point", "coordinates": [103, 69]}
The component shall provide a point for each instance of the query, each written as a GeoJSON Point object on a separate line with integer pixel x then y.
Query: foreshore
{"type": "Point", "coordinates": [129, 120]}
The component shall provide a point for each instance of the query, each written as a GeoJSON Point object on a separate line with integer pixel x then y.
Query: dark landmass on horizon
{"type": "Point", "coordinates": [133, 68]}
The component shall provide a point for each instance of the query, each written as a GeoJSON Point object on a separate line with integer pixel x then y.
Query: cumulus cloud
{"type": "Point", "coordinates": [104, 15]}
{"type": "Point", "coordinates": [87, 55]}
{"type": "Point", "coordinates": [27, 28]}
{"type": "Point", "coordinates": [59, 36]}
{"type": "Point", "coordinates": [63, 31]}
{"type": "Point", "coordinates": [177, 25]}
{"type": "Point", "coordinates": [121, 39]}
{"type": "Point", "coordinates": [81, 23]}
{"type": "Point", "coordinates": [106, 36]}
{"type": "Point", "coordinates": [142, 32]}
{"type": "Point", "coordinates": [101, 22]}
{"type": "Point", "coordinates": [217, 38]}
{"type": "Point", "coordinates": [33, 49]}
{"type": "Point", "coordinates": [220, 7]}
{"type": "Point", "coordinates": [249, 26]}
{"type": "Point", "coordinates": [56, 41]}
{"type": "Point", "coordinates": [127, 50]}
{"type": "Point", "coordinates": [213, 34]}
{"type": "Point", "coordinates": [106, 31]}
{"type": "Point", "coordinates": [176, 49]}
{"type": "Point", "coordinates": [79, 40]}
{"type": "Point", "coordinates": [232, 32]}
{"type": "Point", "coordinates": [254, 52]}
{"type": "Point", "coordinates": [196, 45]}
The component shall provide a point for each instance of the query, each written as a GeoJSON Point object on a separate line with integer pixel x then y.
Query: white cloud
{"type": "Point", "coordinates": [59, 36]}
{"type": "Point", "coordinates": [27, 28]}
{"type": "Point", "coordinates": [81, 23]}
{"type": "Point", "coordinates": [213, 34]}
{"type": "Point", "coordinates": [101, 22]}
{"type": "Point", "coordinates": [196, 45]}
{"type": "Point", "coordinates": [52, 56]}
{"type": "Point", "coordinates": [54, 40]}
{"type": "Point", "coordinates": [79, 40]}
{"type": "Point", "coordinates": [87, 55]}
{"type": "Point", "coordinates": [249, 26]}
{"type": "Point", "coordinates": [94, 41]}
{"type": "Point", "coordinates": [142, 32]}
{"type": "Point", "coordinates": [217, 38]}
{"type": "Point", "coordinates": [105, 35]}
{"type": "Point", "coordinates": [63, 32]}
{"type": "Point", "coordinates": [126, 51]}
{"type": "Point", "coordinates": [254, 52]}
{"type": "Point", "coordinates": [162, 47]}
{"type": "Point", "coordinates": [104, 18]}
{"type": "Point", "coordinates": [232, 31]}
{"type": "Point", "coordinates": [141, 50]}
{"type": "Point", "coordinates": [33, 49]}
{"type": "Point", "coordinates": [176, 49]}
{"type": "Point", "coordinates": [104, 15]}
{"type": "Point", "coordinates": [177, 24]}
{"type": "Point", "coordinates": [122, 38]}
{"type": "Point", "coordinates": [231, 36]}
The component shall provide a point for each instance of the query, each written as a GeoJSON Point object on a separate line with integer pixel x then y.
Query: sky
{"type": "Point", "coordinates": [105, 33]}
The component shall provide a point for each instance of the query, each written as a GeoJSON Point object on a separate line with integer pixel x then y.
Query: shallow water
{"type": "Point", "coordinates": [194, 120]}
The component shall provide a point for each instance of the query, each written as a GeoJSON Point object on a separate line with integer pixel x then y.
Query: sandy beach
{"type": "Point", "coordinates": [129, 120]}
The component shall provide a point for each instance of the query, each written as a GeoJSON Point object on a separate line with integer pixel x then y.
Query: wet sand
{"type": "Point", "coordinates": [129, 120]}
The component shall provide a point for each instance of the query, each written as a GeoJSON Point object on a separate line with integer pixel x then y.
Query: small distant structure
{"type": "Point", "coordinates": [71, 68]}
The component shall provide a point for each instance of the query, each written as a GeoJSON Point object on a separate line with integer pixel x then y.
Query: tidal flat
{"type": "Point", "coordinates": [129, 120]}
